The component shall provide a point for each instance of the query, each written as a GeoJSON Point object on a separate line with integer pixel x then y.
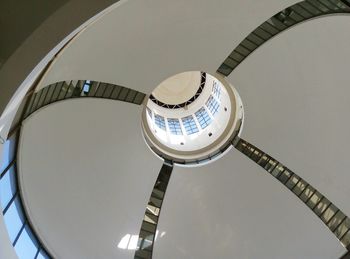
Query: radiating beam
{"type": "Point", "coordinates": [292, 15]}
{"type": "Point", "coordinates": [81, 89]}
{"type": "Point", "coordinates": [337, 222]}
{"type": "Point", "coordinates": [148, 230]}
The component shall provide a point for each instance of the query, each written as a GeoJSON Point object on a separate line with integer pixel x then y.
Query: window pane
{"type": "Point", "coordinates": [174, 126]}
{"type": "Point", "coordinates": [14, 219]}
{"type": "Point", "coordinates": [131, 96]}
{"type": "Point", "coordinates": [190, 125]}
{"type": "Point", "coordinates": [284, 177]}
{"type": "Point", "coordinates": [319, 5]}
{"type": "Point", "coordinates": [86, 87]}
{"type": "Point", "coordinates": [307, 193]}
{"type": "Point", "coordinates": [42, 96]}
{"type": "Point", "coordinates": [64, 90]}
{"type": "Point", "coordinates": [216, 89]}
{"type": "Point", "coordinates": [270, 165]}
{"type": "Point", "coordinates": [101, 89]}
{"type": "Point", "coordinates": [203, 117]}
{"type": "Point", "coordinates": [346, 239]}
{"type": "Point", "coordinates": [299, 187]}
{"type": "Point", "coordinates": [56, 91]}
{"type": "Point", "coordinates": [248, 151]}
{"type": "Point", "coordinates": [49, 94]}
{"type": "Point", "coordinates": [7, 187]}
{"type": "Point", "coordinates": [8, 153]}
{"type": "Point", "coordinates": [329, 212]}
{"type": "Point", "coordinates": [292, 181]}
{"type": "Point", "coordinates": [321, 206]}
{"type": "Point", "coordinates": [256, 155]}
{"type": "Point", "coordinates": [341, 230]}
{"type": "Point", "coordinates": [26, 246]}
{"type": "Point", "coordinates": [139, 98]}
{"type": "Point", "coordinates": [277, 170]}
{"type": "Point", "coordinates": [123, 93]}
{"type": "Point", "coordinates": [263, 160]}
{"type": "Point", "coordinates": [339, 217]}
{"type": "Point", "coordinates": [42, 255]}
{"type": "Point", "coordinates": [314, 199]}
{"type": "Point", "coordinates": [159, 121]}
{"type": "Point", "coordinates": [212, 105]}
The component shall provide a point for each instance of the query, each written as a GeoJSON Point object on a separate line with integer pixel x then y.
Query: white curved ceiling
{"type": "Point", "coordinates": [294, 89]}
{"type": "Point", "coordinates": [141, 43]}
{"type": "Point", "coordinates": [296, 92]}
{"type": "Point", "coordinates": [179, 88]}
{"type": "Point", "coordinates": [232, 208]}
{"type": "Point", "coordinates": [86, 176]}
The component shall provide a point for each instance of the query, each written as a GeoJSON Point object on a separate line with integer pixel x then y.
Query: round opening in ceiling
{"type": "Point", "coordinates": [192, 118]}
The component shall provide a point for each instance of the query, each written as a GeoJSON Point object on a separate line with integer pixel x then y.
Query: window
{"type": "Point", "coordinates": [174, 126]}
{"type": "Point", "coordinates": [8, 153]}
{"type": "Point", "coordinates": [14, 219]}
{"type": "Point", "coordinates": [26, 246]}
{"type": "Point", "coordinates": [190, 125]}
{"type": "Point", "coordinates": [42, 255]}
{"type": "Point", "coordinates": [7, 187]}
{"type": "Point", "coordinates": [159, 121]}
{"type": "Point", "coordinates": [86, 87]}
{"type": "Point", "coordinates": [203, 117]}
{"type": "Point", "coordinates": [216, 89]}
{"type": "Point", "coordinates": [22, 238]}
{"type": "Point", "coordinates": [212, 105]}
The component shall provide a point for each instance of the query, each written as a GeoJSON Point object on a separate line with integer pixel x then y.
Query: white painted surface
{"type": "Point", "coordinates": [178, 88]}
{"type": "Point", "coordinates": [86, 176]}
{"type": "Point", "coordinates": [141, 43]}
{"type": "Point", "coordinates": [296, 92]}
{"type": "Point", "coordinates": [232, 208]}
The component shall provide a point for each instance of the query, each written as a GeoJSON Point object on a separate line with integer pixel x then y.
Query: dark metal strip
{"type": "Point", "coordinates": [77, 93]}
{"type": "Point", "coordinates": [284, 20]}
{"type": "Point", "coordinates": [243, 146]}
{"type": "Point", "coordinates": [154, 205]}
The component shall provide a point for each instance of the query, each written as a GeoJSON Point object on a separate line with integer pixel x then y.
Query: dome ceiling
{"type": "Point", "coordinates": [86, 186]}
{"type": "Point", "coordinates": [294, 92]}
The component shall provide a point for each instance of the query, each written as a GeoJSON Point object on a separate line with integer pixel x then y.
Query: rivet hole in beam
{"type": "Point", "coordinates": [278, 23]}
{"type": "Point", "coordinates": [80, 89]}
{"type": "Point", "coordinates": [337, 222]}
{"type": "Point", "coordinates": [148, 232]}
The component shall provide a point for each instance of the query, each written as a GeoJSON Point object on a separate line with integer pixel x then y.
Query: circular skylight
{"type": "Point", "coordinates": [192, 118]}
